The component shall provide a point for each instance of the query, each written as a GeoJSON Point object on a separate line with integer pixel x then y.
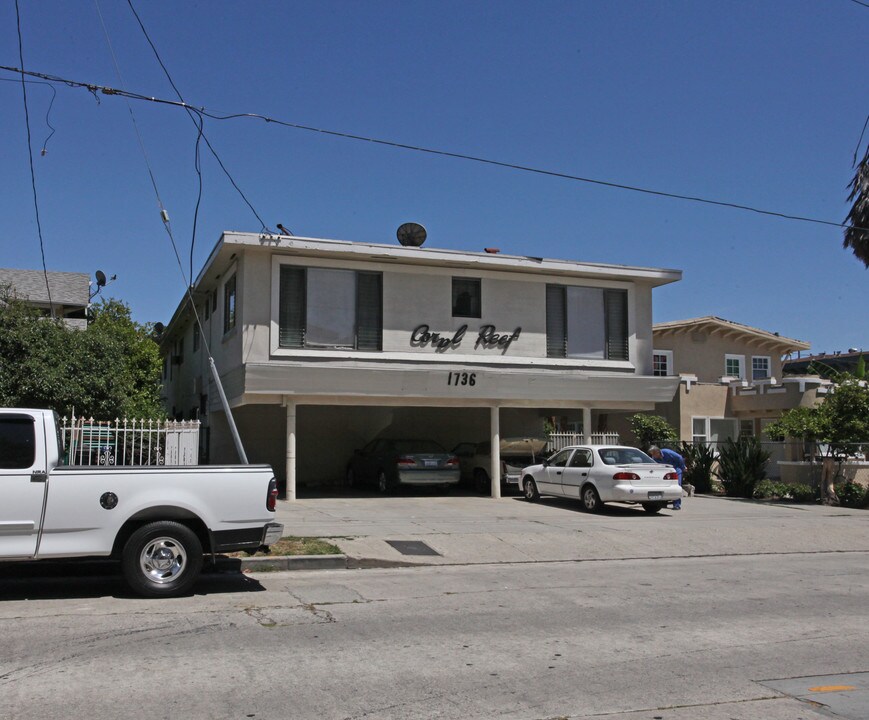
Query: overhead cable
{"type": "Point", "coordinates": [30, 156]}
{"type": "Point", "coordinates": [443, 153]}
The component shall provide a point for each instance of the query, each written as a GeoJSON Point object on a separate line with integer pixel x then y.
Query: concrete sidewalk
{"type": "Point", "coordinates": [472, 530]}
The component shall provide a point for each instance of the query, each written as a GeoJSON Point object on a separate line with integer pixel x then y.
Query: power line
{"type": "Point", "coordinates": [443, 153]}
{"type": "Point", "coordinates": [47, 112]}
{"type": "Point", "coordinates": [201, 136]}
{"type": "Point", "coordinates": [860, 2]}
{"type": "Point", "coordinates": [30, 156]}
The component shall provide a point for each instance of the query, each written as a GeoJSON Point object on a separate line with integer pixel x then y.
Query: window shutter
{"type": "Point", "coordinates": [616, 308]}
{"type": "Point", "coordinates": [369, 311]}
{"type": "Point", "coordinates": [556, 322]}
{"type": "Point", "coordinates": [292, 308]}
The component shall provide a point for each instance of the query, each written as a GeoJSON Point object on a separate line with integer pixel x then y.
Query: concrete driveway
{"type": "Point", "coordinates": [472, 530]}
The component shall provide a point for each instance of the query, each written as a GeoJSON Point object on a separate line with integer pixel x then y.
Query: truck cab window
{"type": "Point", "coordinates": [17, 443]}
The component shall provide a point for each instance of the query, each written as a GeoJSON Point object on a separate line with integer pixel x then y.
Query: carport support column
{"type": "Point", "coordinates": [291, 449]}
{"type": "Point", "coordinates": [586, 426]}
{"type": "Point", "coordinates": [495, 469]}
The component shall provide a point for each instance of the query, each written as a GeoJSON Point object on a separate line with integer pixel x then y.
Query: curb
{"type": "Point", "coordinates": [283, 562]}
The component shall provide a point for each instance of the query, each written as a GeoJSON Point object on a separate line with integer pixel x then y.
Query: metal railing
{"type": "Point", "coordinates": [557, 441]}
{"type": "Point", "coordinates": [130, 442]}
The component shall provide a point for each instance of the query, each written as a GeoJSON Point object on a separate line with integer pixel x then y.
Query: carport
{"type": "Point", "coordinates": [344, 405]}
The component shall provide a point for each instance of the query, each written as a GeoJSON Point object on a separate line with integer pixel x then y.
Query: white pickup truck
{"type": "Point", "coordinates": [158, 521]}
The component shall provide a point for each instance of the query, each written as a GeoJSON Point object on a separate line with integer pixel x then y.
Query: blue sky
{"type": "Point", "coordinates": [756, 103]}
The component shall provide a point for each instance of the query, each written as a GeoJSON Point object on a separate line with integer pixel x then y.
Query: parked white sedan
{"type": "Point", "coordinates": [597, 474]}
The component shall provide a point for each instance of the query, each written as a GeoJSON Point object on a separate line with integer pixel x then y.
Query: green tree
{"type": "Point", "coordinates": [111, 369]}
{"type": "Point", "coordinates": [842, 420]}
{"type": "Point", "coordinates": [845, 416]}
{"type": "Point", "coordinates": [803, 423]}
{"type": "Point", "coordinates": [652, 430]}
{"type": "Point", "coordinates": [856, 234]}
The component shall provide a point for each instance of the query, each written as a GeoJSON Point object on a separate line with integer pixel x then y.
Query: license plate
{"type": "Point", "coordinates": [430, 463]}
{"type": "Point", "coordinates": [656, 496]}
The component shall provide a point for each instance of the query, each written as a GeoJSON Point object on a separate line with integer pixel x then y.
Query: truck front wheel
{"type": "Point", "coordinates": [162, 559]}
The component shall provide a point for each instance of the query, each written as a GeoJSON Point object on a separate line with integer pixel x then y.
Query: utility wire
{"type": "Point", "coordinates": [30, 155]}
{"type": "Point", "coordinates": [47, 112]}
{"type": "Point", "coordinates": [443, 153]}
{"type": "Point", "coordinates": [860, 2]}
{"type": "Point", "coordinates": [164, 215]}
{"type": "Point", "coordinates": [187, 286]}
{"type": "Point", "coordinates": [198, 122]}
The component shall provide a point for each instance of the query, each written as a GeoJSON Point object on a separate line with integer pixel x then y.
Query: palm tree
{"type": "Point", "coordinates": [857, 235]}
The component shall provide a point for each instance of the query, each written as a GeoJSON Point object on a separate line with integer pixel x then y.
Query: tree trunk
{"type": "Point", "coordinates": [828, 482]}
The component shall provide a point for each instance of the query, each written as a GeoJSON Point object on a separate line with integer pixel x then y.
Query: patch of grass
{"type": "Point", "coordinates": [294, 546]}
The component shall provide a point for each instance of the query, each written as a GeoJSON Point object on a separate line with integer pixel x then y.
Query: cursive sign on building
{"type": "Point", "coordinates": [487, 338]}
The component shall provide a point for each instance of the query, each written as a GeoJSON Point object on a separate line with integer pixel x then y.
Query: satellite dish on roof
{"type": "Point", "coordinates": [101, 278]}
{"type": "Point", "coordinates": [411, 234]}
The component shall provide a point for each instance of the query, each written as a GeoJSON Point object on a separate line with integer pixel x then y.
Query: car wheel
{"type": "Point", "coordinates": [383, 483]}
{"type": "Point", "coordinates": [590, 499]}
{"type": "Point", "coordinates": [654, 508]}
{"type": "Point", "coordinates": [162, 559]}
{"type": "Point", "coordinates": [482, 484]}
{"type": "Point", "coordinates": [530, 488]}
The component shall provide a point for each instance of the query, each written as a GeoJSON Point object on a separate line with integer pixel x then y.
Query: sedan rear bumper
{"type": "Point", "coordinates": [429, 477]}
{"type": "Point", "coordinates": [625, 492]}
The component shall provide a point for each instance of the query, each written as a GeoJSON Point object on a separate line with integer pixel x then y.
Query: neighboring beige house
{"type": "Point", "coordinates": [69, 297]}
{"type": "Point", "coordinates": [324, 345]}
{"type": "Point", "coordinates": [730, 379]}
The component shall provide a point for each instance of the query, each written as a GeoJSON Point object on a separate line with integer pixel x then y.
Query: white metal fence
{"type": "Point", "coordinates": [562, 440]}
{"type": "Point", "coordinates": [130, 442]}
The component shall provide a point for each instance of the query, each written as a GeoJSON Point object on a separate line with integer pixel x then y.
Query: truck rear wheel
{"type": "Point", "coordinates": [162, 559]}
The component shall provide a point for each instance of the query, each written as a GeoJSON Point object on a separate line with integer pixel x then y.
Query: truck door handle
{"type": "Point", "coordinates": [36, 476]}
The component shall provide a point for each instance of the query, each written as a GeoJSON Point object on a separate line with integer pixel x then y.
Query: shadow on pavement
{"type": "Point", "coordinates": [607, 510]}
{"type": "Point", "coordinates": [49, 580]}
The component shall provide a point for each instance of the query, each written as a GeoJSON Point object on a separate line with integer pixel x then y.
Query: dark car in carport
{"type": "Point", "coordinates": [387, 463]}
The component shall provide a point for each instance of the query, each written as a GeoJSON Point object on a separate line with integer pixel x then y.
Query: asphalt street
{"type": "Point", "coordinates": [649, 618]}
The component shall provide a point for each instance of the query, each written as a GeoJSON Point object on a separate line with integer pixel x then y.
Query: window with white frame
{"type": "Point", "coordinates": [734, 366]}
{"type": "Point", "coordinates": [662, 363]}
{"type": "Point", "coordinates": [586, 322]}
{"type": "Point", "coordinates": [329, 308]}
{"type": "Point", "coordinates": [229, 307]}
{"type": "Point", "coordinates": [713, 430]}
{"type": "Point", "coordinates": [760, 367]}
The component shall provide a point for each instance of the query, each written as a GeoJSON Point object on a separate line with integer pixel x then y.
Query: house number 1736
{"type": "Point", "coordinates": [462, 378]}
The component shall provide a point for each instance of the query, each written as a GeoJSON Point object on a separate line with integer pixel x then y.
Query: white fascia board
{"type": "Point", "coordinates": [316, 247]}
{"type": "Point", "coordinates": [490, 384]}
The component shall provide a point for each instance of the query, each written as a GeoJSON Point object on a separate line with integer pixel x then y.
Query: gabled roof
{"type": "Point", "coordinates": [727, 328]}
{"type": "Point", "coordinates": [67, 288]}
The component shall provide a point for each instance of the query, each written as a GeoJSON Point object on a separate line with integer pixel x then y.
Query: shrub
{"type": "Point", "coordinates": [699, 459]}
{"type": "Point", "coordinates": [852, 494]}
{"type": "Point", "coordinates": [802, 493]}
{"type": "Point", "coordinates": [770, 489]}
{"type": "Point", "coordinates": [741, 465]}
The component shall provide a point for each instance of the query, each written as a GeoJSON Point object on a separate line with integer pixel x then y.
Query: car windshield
{"type": "Point", "coordinates": [417, 447]}
{"type": "Point", "coordinates": [623, 456]}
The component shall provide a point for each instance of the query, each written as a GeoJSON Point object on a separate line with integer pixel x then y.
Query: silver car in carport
{"type": "Point", "coordinates": [597, 474]}
{"type": "Point", "coordinates": [388, 463]}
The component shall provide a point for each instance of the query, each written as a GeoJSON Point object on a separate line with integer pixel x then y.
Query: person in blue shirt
{"type": "Point", "coordinates": [669, 457]}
